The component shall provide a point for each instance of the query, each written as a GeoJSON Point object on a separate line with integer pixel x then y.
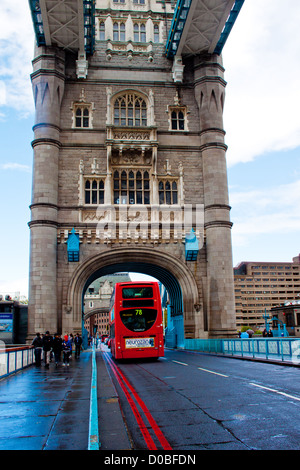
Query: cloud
{"type": "Point", "coordinates": [265, 211]}
{"type": "Point", "coordinates": [15, 166]}
{"type": "Point", "coordinates": [16, 54]}
{"type": "Point", "coordinates": [13, 287]}
{"type": "Point", "coordinates": [262, 70]}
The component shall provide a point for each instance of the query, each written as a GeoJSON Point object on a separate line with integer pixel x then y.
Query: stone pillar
{"type": "Point", "coordinates": [48, 88]}
{"type": "Point", "coordinates": [210, 92]}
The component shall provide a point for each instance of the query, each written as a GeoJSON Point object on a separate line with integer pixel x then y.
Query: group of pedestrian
{"type": "Point", "coordinates": [267, 333]}
{"type": "Point", "coordinates": [55, 346]}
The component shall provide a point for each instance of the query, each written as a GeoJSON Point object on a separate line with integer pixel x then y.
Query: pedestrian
{"type": "Point", "coordinates": [71, 339]}
{"type": "Point", "coordinates": [78, 343]}
{"type": "Point", "coordinates": [38, 347]}
{"type": "Point", "coordinates": [57, 348]}
{"type": "Point", "coordinates": [244, 334]}
{"type": "Point", "coordinates": [47, 346]}
{"type": "Point", "coordinates": [66, 352]}
{"type": "Point", "coordinates": [270, 332]}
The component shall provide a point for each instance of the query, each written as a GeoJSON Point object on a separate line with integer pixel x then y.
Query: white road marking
{"type": "Point", "coordinates": [212, 372]}
{"type": "Point", "coordinates": [182, 363]}
{"type": "Point", "coordinates": [276, 391]}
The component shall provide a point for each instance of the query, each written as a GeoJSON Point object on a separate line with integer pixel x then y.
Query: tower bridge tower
{"type": "Point", "coordinates": [129, 157]}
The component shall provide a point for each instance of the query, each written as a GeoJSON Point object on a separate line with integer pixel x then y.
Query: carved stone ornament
{"type": "Point", "coordinates": [68, 309]}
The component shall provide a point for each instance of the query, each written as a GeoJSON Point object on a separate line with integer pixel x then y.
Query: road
{"type": "Point", "coordinates": [190, 401]}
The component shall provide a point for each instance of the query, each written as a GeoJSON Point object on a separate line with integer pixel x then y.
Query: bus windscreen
{"type": "Point", "coordinates": [138, 319]}
{"type": "Point", "coordinates": [137, 292]}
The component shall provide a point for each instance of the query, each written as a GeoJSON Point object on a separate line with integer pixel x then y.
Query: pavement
{"type": "Point", "coordinates": [49, 409]}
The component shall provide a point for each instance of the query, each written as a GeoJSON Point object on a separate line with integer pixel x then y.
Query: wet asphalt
{"type": "Point", "coordinates": [49, 409]}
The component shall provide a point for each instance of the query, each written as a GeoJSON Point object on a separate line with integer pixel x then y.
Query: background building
{"type": "Point", "coordinates": [13, 320]}
{"type": "Point", "coordinates": [287, 314]}
{"type": "Point", "coordinates": [96, 302]}
{"type": "Point", "coordinates": [259, 286]}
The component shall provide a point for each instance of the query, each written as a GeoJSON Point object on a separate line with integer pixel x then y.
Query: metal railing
{"type": "Point", "coordinates": [13, 359]}
{"type": "Point", "coordinates": [283, 349]}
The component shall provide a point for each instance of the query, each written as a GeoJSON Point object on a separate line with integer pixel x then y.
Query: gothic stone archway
{"type": "Point", "coordinates": [175, 275]}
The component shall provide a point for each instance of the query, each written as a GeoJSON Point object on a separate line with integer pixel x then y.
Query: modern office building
{"type": "Point", "coordinates": [259, 286]}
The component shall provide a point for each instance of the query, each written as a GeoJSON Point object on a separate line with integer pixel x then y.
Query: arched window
{"type": "Point", "coordinates": [119, 31]}
{"type": "Point", "coordinates": [102, 31]}
{"type": "Point", "coordinates": [94, 191]}
{"type": "Point", "coordinates": [178, 120]}
{"type": "Point", "coordinates": [139, 32]}
{"type": "Point", "coordinates": [156, 33]}
{"type": "Point", "coordinates": [167, 191]}
{"type": "Point", "coordinates": [131, 187]}
{"type": "Point", "coordinates": [82, 117]}
{"type": "Point", "coordinates": [130, 110]}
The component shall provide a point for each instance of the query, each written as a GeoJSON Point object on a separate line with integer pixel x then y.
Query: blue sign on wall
{"type": "Point", "coordinates": [6, 326]}
{"type": "Point", "coordinates": [73, 246]}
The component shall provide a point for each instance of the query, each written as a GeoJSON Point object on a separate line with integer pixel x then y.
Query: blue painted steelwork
{"type": "Point", "coordinates": [279, 332]}
{"type": "Point", "coordinates": [37, 22]}
{"type": "Point", "coordinates": [280, 349]}
{"type": "Point", "coordinates": [269, 322]}
{"type": "Point", "coordinates": [228, 26]}
{"type": "Point", "coordinates": [177, 26]}
{"type": "Point", "coordinates": [89, 25]}
{"type": "Point", "coordinates": [191, 246]}
{"type": "Point", "coordinates": [93, 443]}
{"type": "Point", "coordinates": [174, 334]}
{"type": "Point", "coordinates": [178, 23]}
{"type": "Point", "coordinates": [14, 359]}
{"type": "Point", "coordinates": [169, 281]}
{"type": "Point", "coordinates": [73, 246]}
{"type": "Point", "coordinates": [88, 17]}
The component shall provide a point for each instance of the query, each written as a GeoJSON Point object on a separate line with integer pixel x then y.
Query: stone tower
{"type": "Point", "coordinates": [129, 165]}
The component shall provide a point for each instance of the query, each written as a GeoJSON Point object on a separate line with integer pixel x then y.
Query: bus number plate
{"type": "Point", "coordinates": [139, 343]}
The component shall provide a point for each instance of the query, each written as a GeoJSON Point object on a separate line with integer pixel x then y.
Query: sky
{"type": "Point", "coordinates": [261, 119]}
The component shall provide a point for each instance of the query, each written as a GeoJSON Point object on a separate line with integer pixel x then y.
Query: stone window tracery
{"type": "Point", "coordinates": [156, 33]}
{"type": "Point", "coordinates": [119, 31]}
{"type": "Point", "coordinates": [102, 31]}
{"type": "Point", "coordinates": [94, 191]}
{"type": "Point", "coordinates": [130, 110]}
{"type": "Point", "coordinates": [82, 116]}
{"type": "Point", "coordinates": [131, 186]}
{"type": "Point", "coordinates": [178, 118]}
{"type": "Point", "coordinates": [168, 191]}
{"type": "Point", "coordinates": [139, 32]}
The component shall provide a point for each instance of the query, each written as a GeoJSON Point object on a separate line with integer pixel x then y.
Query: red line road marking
{"type": "Point", "coordinates": [120, 376]}
{"type": "Point", "coordinates": [148, 439]}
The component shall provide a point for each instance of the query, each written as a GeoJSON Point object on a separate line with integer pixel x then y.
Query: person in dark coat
{"type": "Point", "coordinates": [78, 343]}
{"type": "Point", "coordinates": [57, 348]}
{"type": "Point", "coordinates": [38, 347]}
{"type": "Point", "coordinates": [47, 346]}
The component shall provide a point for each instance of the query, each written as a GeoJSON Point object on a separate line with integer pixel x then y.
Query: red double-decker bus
{"type": "Point", "coordinates": [136, 328]}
